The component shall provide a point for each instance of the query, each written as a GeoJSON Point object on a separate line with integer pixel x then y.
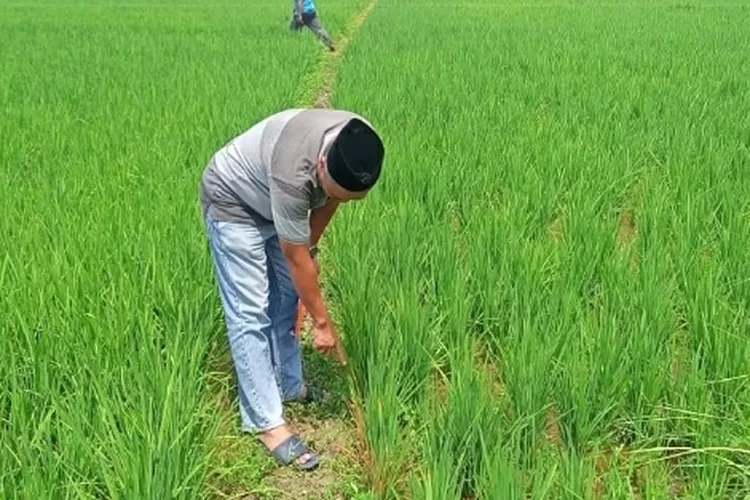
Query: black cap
{"type": "Point", "coordinates": [356, 157]}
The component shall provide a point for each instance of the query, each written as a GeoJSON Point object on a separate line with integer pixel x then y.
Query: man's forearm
{"type": "Point", "coordinates": [305, 278]}
{"type": "Point", "coordinates": [298, 7]}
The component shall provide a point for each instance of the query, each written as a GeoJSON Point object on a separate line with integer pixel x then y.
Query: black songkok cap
{"type": "Point", "coordinates": [355, 158]}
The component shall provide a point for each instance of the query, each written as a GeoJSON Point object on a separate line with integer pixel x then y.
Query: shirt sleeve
{"type": "Point", "coordinates": [290, 216]}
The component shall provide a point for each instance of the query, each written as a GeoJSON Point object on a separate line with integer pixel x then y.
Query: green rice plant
{"type": "Point", "coordinates": [464, 415]}
{"type": "Point", "coordinates": [574, 198]}
{"type": "Point", "coordinates": [554, 263]}
{"type": "Point", "coordinates": [109, 311]}
{"type": "Point", "coordinates": [501, 476]}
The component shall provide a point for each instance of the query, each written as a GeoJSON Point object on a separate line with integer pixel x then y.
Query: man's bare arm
{"type": "Point", "coordinates": [319, 219]}
{"type": "Point", "coordinates": [305, 278]}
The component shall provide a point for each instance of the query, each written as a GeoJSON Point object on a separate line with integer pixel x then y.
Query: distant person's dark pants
{"type": "Point", "coordinates": [312, 21]}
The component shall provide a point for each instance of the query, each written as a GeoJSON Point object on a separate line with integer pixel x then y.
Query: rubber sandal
{"type": "Point", "coordinates": [291, 449]}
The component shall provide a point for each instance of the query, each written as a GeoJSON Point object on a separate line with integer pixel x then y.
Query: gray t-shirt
{"type": "Point", "coordinates": [267, 174]}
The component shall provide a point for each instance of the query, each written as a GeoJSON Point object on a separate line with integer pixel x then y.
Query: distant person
{"type": "Point", "coordinates": [304, 14]}
{"type": "Point", "coordinates": [267, 197]}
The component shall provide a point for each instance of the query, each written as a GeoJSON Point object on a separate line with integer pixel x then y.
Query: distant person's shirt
{"type": "Point", "coordinates": [308, 6]}
{"type": "Point", "coordinates": [268, 173]}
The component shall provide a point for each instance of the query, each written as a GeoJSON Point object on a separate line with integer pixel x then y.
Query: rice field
{"type": "Point", "coordinates": [546, 297]}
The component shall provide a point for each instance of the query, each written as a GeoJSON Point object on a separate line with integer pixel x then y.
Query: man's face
{"type": "Point", "coordinates": [331, 188]}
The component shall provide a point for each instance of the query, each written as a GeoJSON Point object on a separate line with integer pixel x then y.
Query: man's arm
{"type": "Point", "coordinates": [298, 8]}
{"type": "Point", "coordinates": [305, 278]}
{"type": "Point", "coordinates": [319, 219]}
{"type": "Point", "coordinates": [290, 215]}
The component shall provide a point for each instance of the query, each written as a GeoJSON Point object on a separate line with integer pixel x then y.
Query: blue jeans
{"type": "Point", "coordinates": [260, 305]}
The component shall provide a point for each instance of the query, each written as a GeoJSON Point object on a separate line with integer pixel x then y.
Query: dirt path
{"type": "Point", "coordinates": [329, 428]}
{"type": "Point", "coordinates": [243, 470]}
{"type": "Point", "coordinates": [331, 63]}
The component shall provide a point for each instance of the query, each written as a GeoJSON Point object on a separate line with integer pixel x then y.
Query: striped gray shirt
{"type": "Point", "coordinates": [267, 174]}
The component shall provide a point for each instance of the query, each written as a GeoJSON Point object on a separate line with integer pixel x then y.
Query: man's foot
{"type": "Point", "coordinates": [288, 447]}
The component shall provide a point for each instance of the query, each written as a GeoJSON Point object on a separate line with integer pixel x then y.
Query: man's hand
{"type": "Point", "coordinates": [327, 342]}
